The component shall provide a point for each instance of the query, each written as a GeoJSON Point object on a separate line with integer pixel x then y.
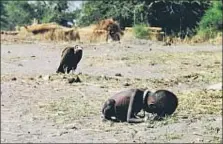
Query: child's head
{"type": "Point", "coordinates": [162, 102]}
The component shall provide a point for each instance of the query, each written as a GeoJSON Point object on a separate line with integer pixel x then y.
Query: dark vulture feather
{"type": "Point", "coordinates": [70, 58]}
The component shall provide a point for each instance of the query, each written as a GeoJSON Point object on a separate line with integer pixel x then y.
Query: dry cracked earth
{"type": "Point", "coordinates": [40, 106]}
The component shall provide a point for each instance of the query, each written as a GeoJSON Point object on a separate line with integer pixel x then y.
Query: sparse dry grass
{"type": "Point", "coordinates": [98, 36]}
{"type": "Point", "coordinates": [128, 35]}
{"type": "Point", "coordinates": [61, 34]}
{"type": "Point", "coordinates": [200, 102]}
{"type": "Point", "coordinates": [172, 136]}
{"type": "Point", "coordinates": [96, 33]}
{"type": "Point", "coordinates": [201, 62]}
{"type": "Point", "coordinates": [90, 35]}
{"type": "Point", "coordinates": [39, 28]}
{"type": "Point", "coordinates": [49, 31]}
{"type": "Point", "coordinates": [199, 68]}
{"type": "Point", "coordinates": [191, 103]}
{"type": "Point", "coordinates": [194, 40]}
{"type": "Point", "coordinates": [69, 108]}
{"type": "Point", "coordinates": [154, 33]}
{"type": "Point", "coordinates": [86, 33]}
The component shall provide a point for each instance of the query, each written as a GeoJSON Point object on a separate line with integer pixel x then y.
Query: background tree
{"type": "Point", "coordinates": [178, 17]}
{"type": "Point", "coordinates": [211, 23]}
{"type": "Point", "coordinates": [174, 16]}
{"type": "Point", "coordinates": [3, 16]}
{"type": "Point", "coordinates": [21, 13]}
{"type": "Point", "coordinates": [50, 11]}
{"type": "Point", "coordinates": [18, 13]}
{"type": "Point", "coordinates": [213, 17]}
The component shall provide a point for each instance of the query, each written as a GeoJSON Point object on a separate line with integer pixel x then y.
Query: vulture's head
{"type": "Point", "coordinates": [78, 48]}
{"type": "Point", "coordinates": [78, 51]}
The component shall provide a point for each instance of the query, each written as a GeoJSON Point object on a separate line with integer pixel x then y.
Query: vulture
{"type": "Point", "coordinates": [70, 58]}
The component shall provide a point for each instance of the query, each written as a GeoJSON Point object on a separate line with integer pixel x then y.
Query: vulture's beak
{"type": "Point", "coordinates": [77, 47]}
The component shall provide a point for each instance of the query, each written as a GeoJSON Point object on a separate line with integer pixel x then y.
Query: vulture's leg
{"type": "Point", "coordinates": [68, 70]}
{"type": "Point", "coordinates": [73, 70]}
{"type": "Point", "coordinates": [65, 69]}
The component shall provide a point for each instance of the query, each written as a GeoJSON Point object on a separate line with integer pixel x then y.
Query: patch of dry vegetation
{"type": "Point", "coordinates": [102, 29]}
{"type": "Point", "coordinates": [196, 66]}
{"type": "Point", "coordinates": [70, 107]}
{"type": "Point", "coordinates": [61, 34]}
{"type": "Point", "coordinates": [217, 40]}
{"type": "Point", "coordinates": [86, 33]}
{"type": "Point", "coordinates": [50, 31]}
{"type": "Point", "coordinates": [97, 32]}
{"type": "Point", "coordinates": [41, 28]}
{"type": "Point", "coordinates": [164, 58]}
{"type": "Point", "coordinates": [144, 32]}
{"type": "Point", "coordinates": [200, 39]}
{"type": "Point", "coordinates": [200, 102]}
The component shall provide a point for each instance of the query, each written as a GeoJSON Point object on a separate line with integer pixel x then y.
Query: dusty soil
{"type": "Point", "coordinates": [37, 105]}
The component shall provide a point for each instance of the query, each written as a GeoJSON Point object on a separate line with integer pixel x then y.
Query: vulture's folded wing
{"type": "Point", "coordinates": [66, 59]}
{"type": "Point", "coordinates": [78, 55]}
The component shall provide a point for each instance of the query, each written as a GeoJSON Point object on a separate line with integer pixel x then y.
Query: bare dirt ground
{"type": "Point", "coordinates": [37, 105]}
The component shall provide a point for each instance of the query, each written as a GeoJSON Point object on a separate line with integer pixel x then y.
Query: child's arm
{"type": "Point", "coordinates": [130, 109]}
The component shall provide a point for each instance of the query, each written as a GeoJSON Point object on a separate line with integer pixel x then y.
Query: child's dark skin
{"type": "Point", "coordinates": [125, 105]}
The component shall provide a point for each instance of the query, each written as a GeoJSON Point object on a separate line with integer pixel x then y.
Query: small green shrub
{"type": "Point", "coordinates": [211, 22]}
{"type": "Point", "coordinates": [140, 31]}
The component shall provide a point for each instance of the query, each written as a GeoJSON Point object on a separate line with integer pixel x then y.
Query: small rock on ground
{"type": "Point", "coordinates": [217, 86]}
